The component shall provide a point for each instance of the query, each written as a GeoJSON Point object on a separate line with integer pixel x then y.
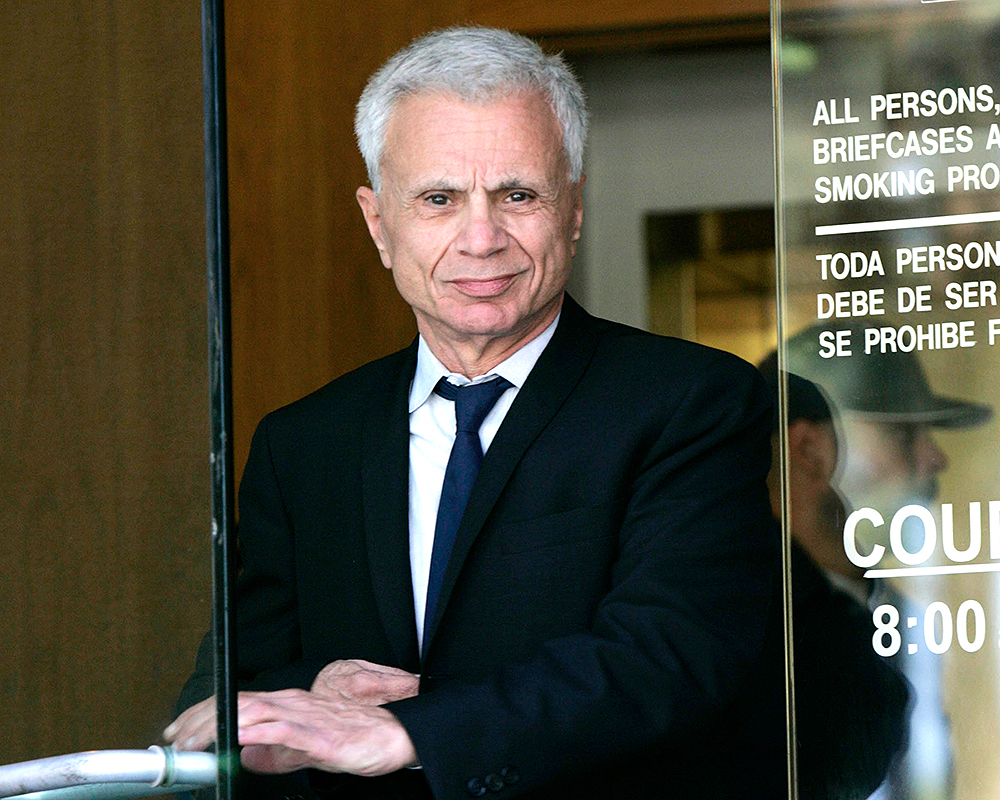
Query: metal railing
{"type": "Point", "coordinates": [108, 775]}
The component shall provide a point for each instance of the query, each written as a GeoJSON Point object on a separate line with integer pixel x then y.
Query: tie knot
{"type": "Point", "coordinates": [472, 401]}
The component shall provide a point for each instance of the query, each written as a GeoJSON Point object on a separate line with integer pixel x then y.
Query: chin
{"type": "Point", "coordinates": [486, 319]}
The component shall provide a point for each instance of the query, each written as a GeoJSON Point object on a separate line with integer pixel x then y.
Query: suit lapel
{"type": "Point", "coordinates": [385, 493]}
{"type": "Point", "coordinates": [550, 382]}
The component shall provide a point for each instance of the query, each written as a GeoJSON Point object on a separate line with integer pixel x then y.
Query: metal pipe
{"type": "Point", "coordinates": [155, 767]}
{"type": "Point", "coordinates": [107, 791]}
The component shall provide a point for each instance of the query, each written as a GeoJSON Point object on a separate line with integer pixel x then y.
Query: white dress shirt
{"type": "Point", "coordinates": [432, 433]}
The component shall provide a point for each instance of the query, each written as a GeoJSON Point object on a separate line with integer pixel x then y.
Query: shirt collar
{"type": "Point", "coordinates": [514, 368]}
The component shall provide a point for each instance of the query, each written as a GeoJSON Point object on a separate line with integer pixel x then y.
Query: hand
{"type": "Point", "coordinates": [337, 726]}
{"type": "Point", "coordinates": [365, 683]}
{"type": "Point", "coordinates": [194, 728]}
{"type": "Point", "coordinates": [288, 730]}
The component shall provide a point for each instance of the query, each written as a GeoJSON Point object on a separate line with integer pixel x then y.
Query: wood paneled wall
{"type": "Point", "coordinates": [104, 438]}
{"type": "Point", "coordinates": [310, 298]}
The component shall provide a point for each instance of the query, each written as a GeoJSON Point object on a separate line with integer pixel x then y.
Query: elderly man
{"type": "Point", "coordinates": [531, 553]}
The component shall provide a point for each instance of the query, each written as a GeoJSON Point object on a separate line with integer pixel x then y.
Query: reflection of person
{"type": "Point", "coordinates": [608, 584]}
{"type": "Point", "coordinates": [891, 460]}
{"type": "Point", "coordinates": [850, 705]}
{"type": "Point", "coordinates": [888, 413]}
{"type": "Point", "coordinates": [815, 506]}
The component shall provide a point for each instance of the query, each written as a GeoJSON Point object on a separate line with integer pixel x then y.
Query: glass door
{"type": "Point", "coordinates": [888, 144]}
{"type": "Point", "coordinates": [105, 423]}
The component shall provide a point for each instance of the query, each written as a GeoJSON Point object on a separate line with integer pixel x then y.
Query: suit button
{"type": "Point", "coordinates": [475, 787]}
{"type": "Point", "coordinates": [494, 782]}
{"type": "Point", "coordinates": [510, 775]}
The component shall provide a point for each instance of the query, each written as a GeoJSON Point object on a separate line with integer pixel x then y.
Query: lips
{"type": "Point", "coordinates": [483, 287]}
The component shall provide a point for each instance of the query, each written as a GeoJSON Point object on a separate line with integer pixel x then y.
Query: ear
{"type": "Point", "coordinates": [372, 213]}
{"type": "Point", "coordinates": [577, 214]}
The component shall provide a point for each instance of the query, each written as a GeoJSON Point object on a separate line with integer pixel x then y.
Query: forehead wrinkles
{"type": "Point", "coordinates": [507, 142]}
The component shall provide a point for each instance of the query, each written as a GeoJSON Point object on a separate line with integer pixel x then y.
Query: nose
{"type": "Point", "coordinates": [930, 458]}
{"type": "Point", "coordinates": [482, 234]}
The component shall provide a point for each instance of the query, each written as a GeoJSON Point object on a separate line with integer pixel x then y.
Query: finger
{"type": "Point", "coordinates": [194, 711]}
{"type": "Point", "coordinates": [334, 737]}
{"type": "Point", "coordinates": [367, 686]}
{"type": "Point", "coordinates": [195, 735]}
{"type": "Point", "coordinates": [382, 669]}
{"type": "Point", "coordinates": [197, 727]}
{"type": "Point", "coordinates": [194, 729]}
{"type": "Point", "coordinates": [279, 733]}
{"type": "Point", "coordinates": [271, 759]}
{"type": "Point", "coordinates": [266, 702]}
{"type": "Point", "coordinates": [298, 721]}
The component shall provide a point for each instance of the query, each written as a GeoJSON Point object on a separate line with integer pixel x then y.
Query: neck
{"type": "Point", "coordinates": [475, 355]}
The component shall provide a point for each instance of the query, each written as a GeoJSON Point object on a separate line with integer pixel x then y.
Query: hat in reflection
{"type": "Point", "coordinates": [886, 387]}
{"type": "Point", "coordinates": [805, 399]}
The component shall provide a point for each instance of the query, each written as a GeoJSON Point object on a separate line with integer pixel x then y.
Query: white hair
{"type": "Point", "coordinates": [477, 65]}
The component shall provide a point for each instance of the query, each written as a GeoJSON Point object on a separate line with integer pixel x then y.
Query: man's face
{"type": "Point", "coordinates": [476, 217]}
{"type": "Point", "coordinates": [889, 465]}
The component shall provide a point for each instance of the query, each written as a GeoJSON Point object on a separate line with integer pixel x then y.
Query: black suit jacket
{"type": "Point", "coordinates": [606, 594]}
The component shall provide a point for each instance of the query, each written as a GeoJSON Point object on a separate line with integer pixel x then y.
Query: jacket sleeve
{"type": "Point", "coordinates": [268, 643]}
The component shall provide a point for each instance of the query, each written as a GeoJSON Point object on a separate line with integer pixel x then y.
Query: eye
{"type": "Point", "coordinates": [520, 196]}
{"type": "Point", "coordinates": [437, 199]}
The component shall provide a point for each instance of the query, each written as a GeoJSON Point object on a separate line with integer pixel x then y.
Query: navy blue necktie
{"type": "Point", "coordinates": [472, 403]}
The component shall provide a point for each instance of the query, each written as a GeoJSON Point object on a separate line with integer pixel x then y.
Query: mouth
{"type": "Point", "coordinates": [484, 287]}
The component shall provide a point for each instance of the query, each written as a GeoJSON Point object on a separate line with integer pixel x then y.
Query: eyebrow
{"type": "Point", "coordinates": [431, 186]}
{"type": "Point", "coordinates": [512, 183]}
{"type": "Point", "coordinates": [443, 185]}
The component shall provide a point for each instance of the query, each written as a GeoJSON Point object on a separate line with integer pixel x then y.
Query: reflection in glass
{"type": "Point", "coordinates": [888, 149]}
